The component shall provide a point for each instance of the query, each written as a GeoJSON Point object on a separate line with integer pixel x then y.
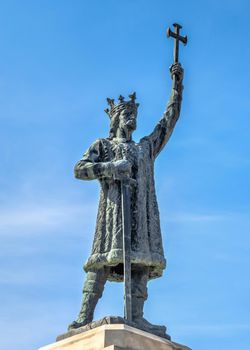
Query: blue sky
{"type": "Point", "coordinates": [59, 61]}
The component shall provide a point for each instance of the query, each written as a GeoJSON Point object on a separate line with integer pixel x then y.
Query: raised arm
{"type": "Point", "coordinates": [164, 128]}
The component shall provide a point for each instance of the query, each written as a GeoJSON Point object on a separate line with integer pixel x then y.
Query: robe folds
{"type": "Point", "coordinates": [146, 238]}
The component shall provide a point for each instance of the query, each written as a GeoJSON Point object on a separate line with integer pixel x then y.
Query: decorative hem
{"type": "Point", "coordinates": [155, 261]}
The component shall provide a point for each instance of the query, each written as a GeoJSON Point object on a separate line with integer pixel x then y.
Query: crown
{"type": "Point", "coordinates": [121, 105]}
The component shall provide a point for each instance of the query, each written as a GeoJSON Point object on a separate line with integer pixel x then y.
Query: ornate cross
{"type": "Point", "coordinates": [176, 35]}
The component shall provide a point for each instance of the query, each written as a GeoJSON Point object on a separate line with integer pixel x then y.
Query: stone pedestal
{"type": "Point", "coordinates": [114, 337]}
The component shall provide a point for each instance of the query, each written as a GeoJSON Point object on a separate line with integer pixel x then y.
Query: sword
{"type": "Point", "coordinates": [126, 227]}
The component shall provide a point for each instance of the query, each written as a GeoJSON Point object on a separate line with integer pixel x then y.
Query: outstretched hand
{"type": "Point", "coordinates": [177, 70]}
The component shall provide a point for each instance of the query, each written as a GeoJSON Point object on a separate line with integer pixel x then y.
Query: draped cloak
{"type": "Point", "coordinates": [146, 239]}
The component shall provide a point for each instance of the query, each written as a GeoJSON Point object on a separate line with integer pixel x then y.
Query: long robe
{"type": "Point", "coordinates": [146, 239]}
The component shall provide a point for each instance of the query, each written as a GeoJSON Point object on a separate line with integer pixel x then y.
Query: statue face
{"type": "Point", "coordinates": [128, 119]}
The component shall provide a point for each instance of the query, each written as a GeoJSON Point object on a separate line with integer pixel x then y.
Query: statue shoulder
{"type": "Point", "coordinates": [99, 143]}
{"type": "Point", "coordinates": [144, 141]}
{"type": "Point", "coordinates": [102, 147]}
{"type": "Point", "coordinates": [147, 146]}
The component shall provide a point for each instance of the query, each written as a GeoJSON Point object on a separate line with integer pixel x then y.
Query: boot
{"type": "Point", "coordinates": [139, 296]}
{"type": "Point", "coordinates": [87, 310]}
{"type": "Point", "coordinates": [141, 322]}
{"type": "Point", "coordinates": [92, 292]}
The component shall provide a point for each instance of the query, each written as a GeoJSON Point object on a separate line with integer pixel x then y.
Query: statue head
{"type": "Point", "coordinates": [122, 115]}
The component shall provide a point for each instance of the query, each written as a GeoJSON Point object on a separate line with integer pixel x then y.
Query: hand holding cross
{"type": "Point", "coordinates": [176, 35]}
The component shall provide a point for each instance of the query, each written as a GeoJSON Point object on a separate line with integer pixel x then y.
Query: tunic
{"type": "Point", "coordinates": [146, 239]}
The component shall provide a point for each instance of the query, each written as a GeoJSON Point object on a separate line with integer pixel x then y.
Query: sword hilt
{"type": "Point", "coordinates": [128, 181]}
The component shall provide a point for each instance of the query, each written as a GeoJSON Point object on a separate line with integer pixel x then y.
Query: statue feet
{"type": "Point", "coordinates": [138, 322]}
{"type": "Point", "coordinates": [143, 324]}
{"type": "Point", "coordinates": [77, 324]}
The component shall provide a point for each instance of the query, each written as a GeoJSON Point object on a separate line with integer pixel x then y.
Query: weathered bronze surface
{"type": "Point", "coordinates": [128, 242]}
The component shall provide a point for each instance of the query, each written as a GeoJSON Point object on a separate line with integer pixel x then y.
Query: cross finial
{"type": "Point", "coordinates": [176, 35]}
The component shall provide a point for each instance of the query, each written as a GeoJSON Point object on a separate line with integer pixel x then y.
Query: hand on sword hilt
{"type": "Point", "coordinates": [128, 181]}
{"type": "Point", "coordinates": [122, 171]}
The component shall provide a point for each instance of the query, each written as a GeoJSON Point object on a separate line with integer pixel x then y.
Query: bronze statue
{"type": "Point", "coordinates": [126, 168]}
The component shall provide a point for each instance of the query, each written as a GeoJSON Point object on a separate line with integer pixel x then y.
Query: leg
{"type": "Point", "coordinates": [139, 296]}
{"type": "Point", "coordinates": [139, 292]}
{"type": "Point", "coordinates": [92, 292]}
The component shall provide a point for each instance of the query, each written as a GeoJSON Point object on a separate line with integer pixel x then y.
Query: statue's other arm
{"type": "Point", "coordinates": [92, 166]}
{"type": "Point", "coordinates": [163, 130]}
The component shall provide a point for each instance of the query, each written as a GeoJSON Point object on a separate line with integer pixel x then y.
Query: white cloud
{"type": "Point", "coordinates": [24, 278]}
{"type": "Point", "coordinates": [33, 217]}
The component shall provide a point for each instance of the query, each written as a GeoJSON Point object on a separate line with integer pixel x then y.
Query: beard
{"type": "Point", "coordinates": [131, 124]}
